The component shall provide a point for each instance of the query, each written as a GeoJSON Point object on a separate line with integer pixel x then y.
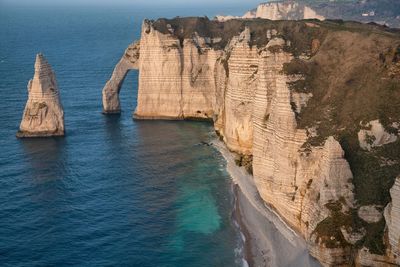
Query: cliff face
{"type": "Point", "coordinates": [273, 92]}
{"type": "Point", "coordinates": [283, 10]}
{"type": "Point", "coordinates": [392, 216]}
{"type": "Point", "coordinates": [288, 10]}
{"type": "Point", "coordinates": [384, 12]}
{"type": "Point", "coordinates": [176, 76]}
{"type": "Point", "coordinates": [43, 114]}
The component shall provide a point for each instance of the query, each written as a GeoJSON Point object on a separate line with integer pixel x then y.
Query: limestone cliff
{"type": "Point", "coordinates": [288, 10]}
{"type": "Point", "coordinates": [111, 90]}
{"type": "Point", "coordinates": [392, 216]}
{"type": "Point", "coordinates": [43, 114]}
{"type": "Point", "coordinates": [287, 97]}
{"type": "Point", "coordinates": [384, 12]}
{"type": "Point", "coordinates": [178, 71]}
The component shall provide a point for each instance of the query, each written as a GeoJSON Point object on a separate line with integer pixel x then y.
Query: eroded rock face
{"type": "Point", "coordinates": [370, 214]}
{"type": "Point", "coordinates": [241, 86]}
{"type": "Point", "coordinates": [375, 135]}
{"type": "Point", "coordinates": [392, 217]}
{"type": "Point", "coordinates": [176, 79]}
{"type": "Point", "coordinates": [235, 74]}
{"type": "Point", "coordinates": [111, 90]}
{"type": "Point", "coordinates": [279, 11]}
{"type": "Point", "coordinates": [298, 185]}
{"type": "Point", "coordinates": [43, 115]}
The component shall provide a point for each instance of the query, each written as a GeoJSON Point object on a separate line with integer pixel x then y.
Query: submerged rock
{"type": "Point", "coordinates": [43, 114]}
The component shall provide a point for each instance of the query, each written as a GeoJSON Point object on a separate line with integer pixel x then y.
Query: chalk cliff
{"type": "Point", "coordinates": [176, 76]}
{"type": "Point", "coordinates": [392, 216]}
{"type": "Point", "coordinates": [289, 10]}
{"type": "Point", "coordinates": [43, 114]}
{"type": "Point", "coordinates": [282, 95]}
{"type": "Point", "coordinates": [384, 12]}
{"type": "Point", "coordinates": [111, 90]}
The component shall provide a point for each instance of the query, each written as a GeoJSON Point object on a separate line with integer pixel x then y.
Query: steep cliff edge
{"type": "Point", "coordinates": [279, 10]}
{"type": "Point", "coordinates": [43, 115]}
{"type": "Point", "coordinates": [384, 12]}
{"type": "Point", "coordinates": [290, 98]}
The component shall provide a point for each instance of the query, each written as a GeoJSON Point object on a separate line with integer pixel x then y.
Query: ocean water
{"type": "Point", "coordinates": [114, 191]}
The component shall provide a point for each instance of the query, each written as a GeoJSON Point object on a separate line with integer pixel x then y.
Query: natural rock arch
{"type": "Point", "coordinates": [129, 61]}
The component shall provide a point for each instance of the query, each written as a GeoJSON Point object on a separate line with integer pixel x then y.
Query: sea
{"type": "Point", "coordinates": [113, 191]}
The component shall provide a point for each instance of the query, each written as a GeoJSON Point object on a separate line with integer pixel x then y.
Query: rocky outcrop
{"type": "Point", "coordinates": [43, 115]}
{"type": "Point", "coordinates": [374, 135]}
{"type": "Point", "coordinates": [244, 75]}
{"type": "Point", "coordinates": [370, 214]}
{"type": "Point", "coordinates": [392, 217]}
{"type": "Point", "coordinates": [383, 12]}
{"type": "Point", "coordinates": [278, 11]}
{"type": "Point", "coordinates": [111, 90]}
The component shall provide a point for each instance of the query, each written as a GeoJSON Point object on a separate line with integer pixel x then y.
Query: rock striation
{"type": "Point", "coordinates": [111, 90]}
{"type": "Point", "coordinates": [392, 217]}
{"type": "Point", "coordinates": [288, 10]}
{"type": "Point", "coordinates": [258, 81]}
{"type": "Point", "coordinates": [176, 76]}
{"type": "Point", "coordinates": [43, 115]}
{"type": "Point", "coordinates": [383, 12]}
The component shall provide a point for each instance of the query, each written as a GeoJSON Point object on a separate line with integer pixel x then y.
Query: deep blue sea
{"type": "Point", "coordinates": [114, 191]}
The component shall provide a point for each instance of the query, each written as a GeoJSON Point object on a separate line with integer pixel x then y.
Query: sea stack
{"type": "Point", "coordinates": [43, 115]}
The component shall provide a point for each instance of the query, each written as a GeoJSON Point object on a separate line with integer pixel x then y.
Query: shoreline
{"type": "Point", "coordinates": [247, 257]}
{"type": "Point", "coordinates": [268, 240]}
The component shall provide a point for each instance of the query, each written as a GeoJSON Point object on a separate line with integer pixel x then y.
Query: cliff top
{"type": "Point", "coordinates": [299, 32]}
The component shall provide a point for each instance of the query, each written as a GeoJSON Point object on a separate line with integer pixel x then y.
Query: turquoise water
{"type": "Point", "coordinates": [113, 192]}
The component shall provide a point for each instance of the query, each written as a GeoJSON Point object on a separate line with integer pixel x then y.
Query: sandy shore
{"type": "Point", "coordinates": [269, 241]}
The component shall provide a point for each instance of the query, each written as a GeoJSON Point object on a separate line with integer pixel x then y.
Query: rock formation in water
{"type": "Point", "coordinates": [43, 114]}
{"type": "Point", "coordinates": [291, 99]}
{"type": "Point", "coordinates": [111, 90]}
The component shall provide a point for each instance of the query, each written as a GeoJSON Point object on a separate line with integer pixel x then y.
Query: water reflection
{"type": "Point", "coordinates": [46, 156]}
{"type": "Point", "coordinates": [112, 126]}
{"type": "Point", "coordinates": [45, 169]}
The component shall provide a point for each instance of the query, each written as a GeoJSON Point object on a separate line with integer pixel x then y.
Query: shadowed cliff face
{"type": "Point", "coordinates": [313, 104]}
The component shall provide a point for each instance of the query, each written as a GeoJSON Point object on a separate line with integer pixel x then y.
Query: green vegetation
{"type": "Point", "coordinates": [245, 161]}
{"type": "Point", "coordinates": [385, 10]}
{"type": "Point", "coordinates": [354, 76]}
{"type": "Point", "coordinates": [328, 230]}
{"type": "Point", "coordinates": [351, 82]}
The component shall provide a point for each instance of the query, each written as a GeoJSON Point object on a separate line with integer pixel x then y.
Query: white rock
{"type": "Point", "coordinates": [175, 82]}
{"type": "Point", "coordinates": [43, 114]}
{"type": "Point", "coordinates": [392, 217]}
{"type": "Point", "coordinates": [278, 11]}
{"type": "Point", "coordinates": [111, 90]}
{"type": "Point", "coordinates": [353, 236]}
{"type": "Point", "coordinates": [376, 136]}
{"type": "Point", "coordinates": [370, 214]}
